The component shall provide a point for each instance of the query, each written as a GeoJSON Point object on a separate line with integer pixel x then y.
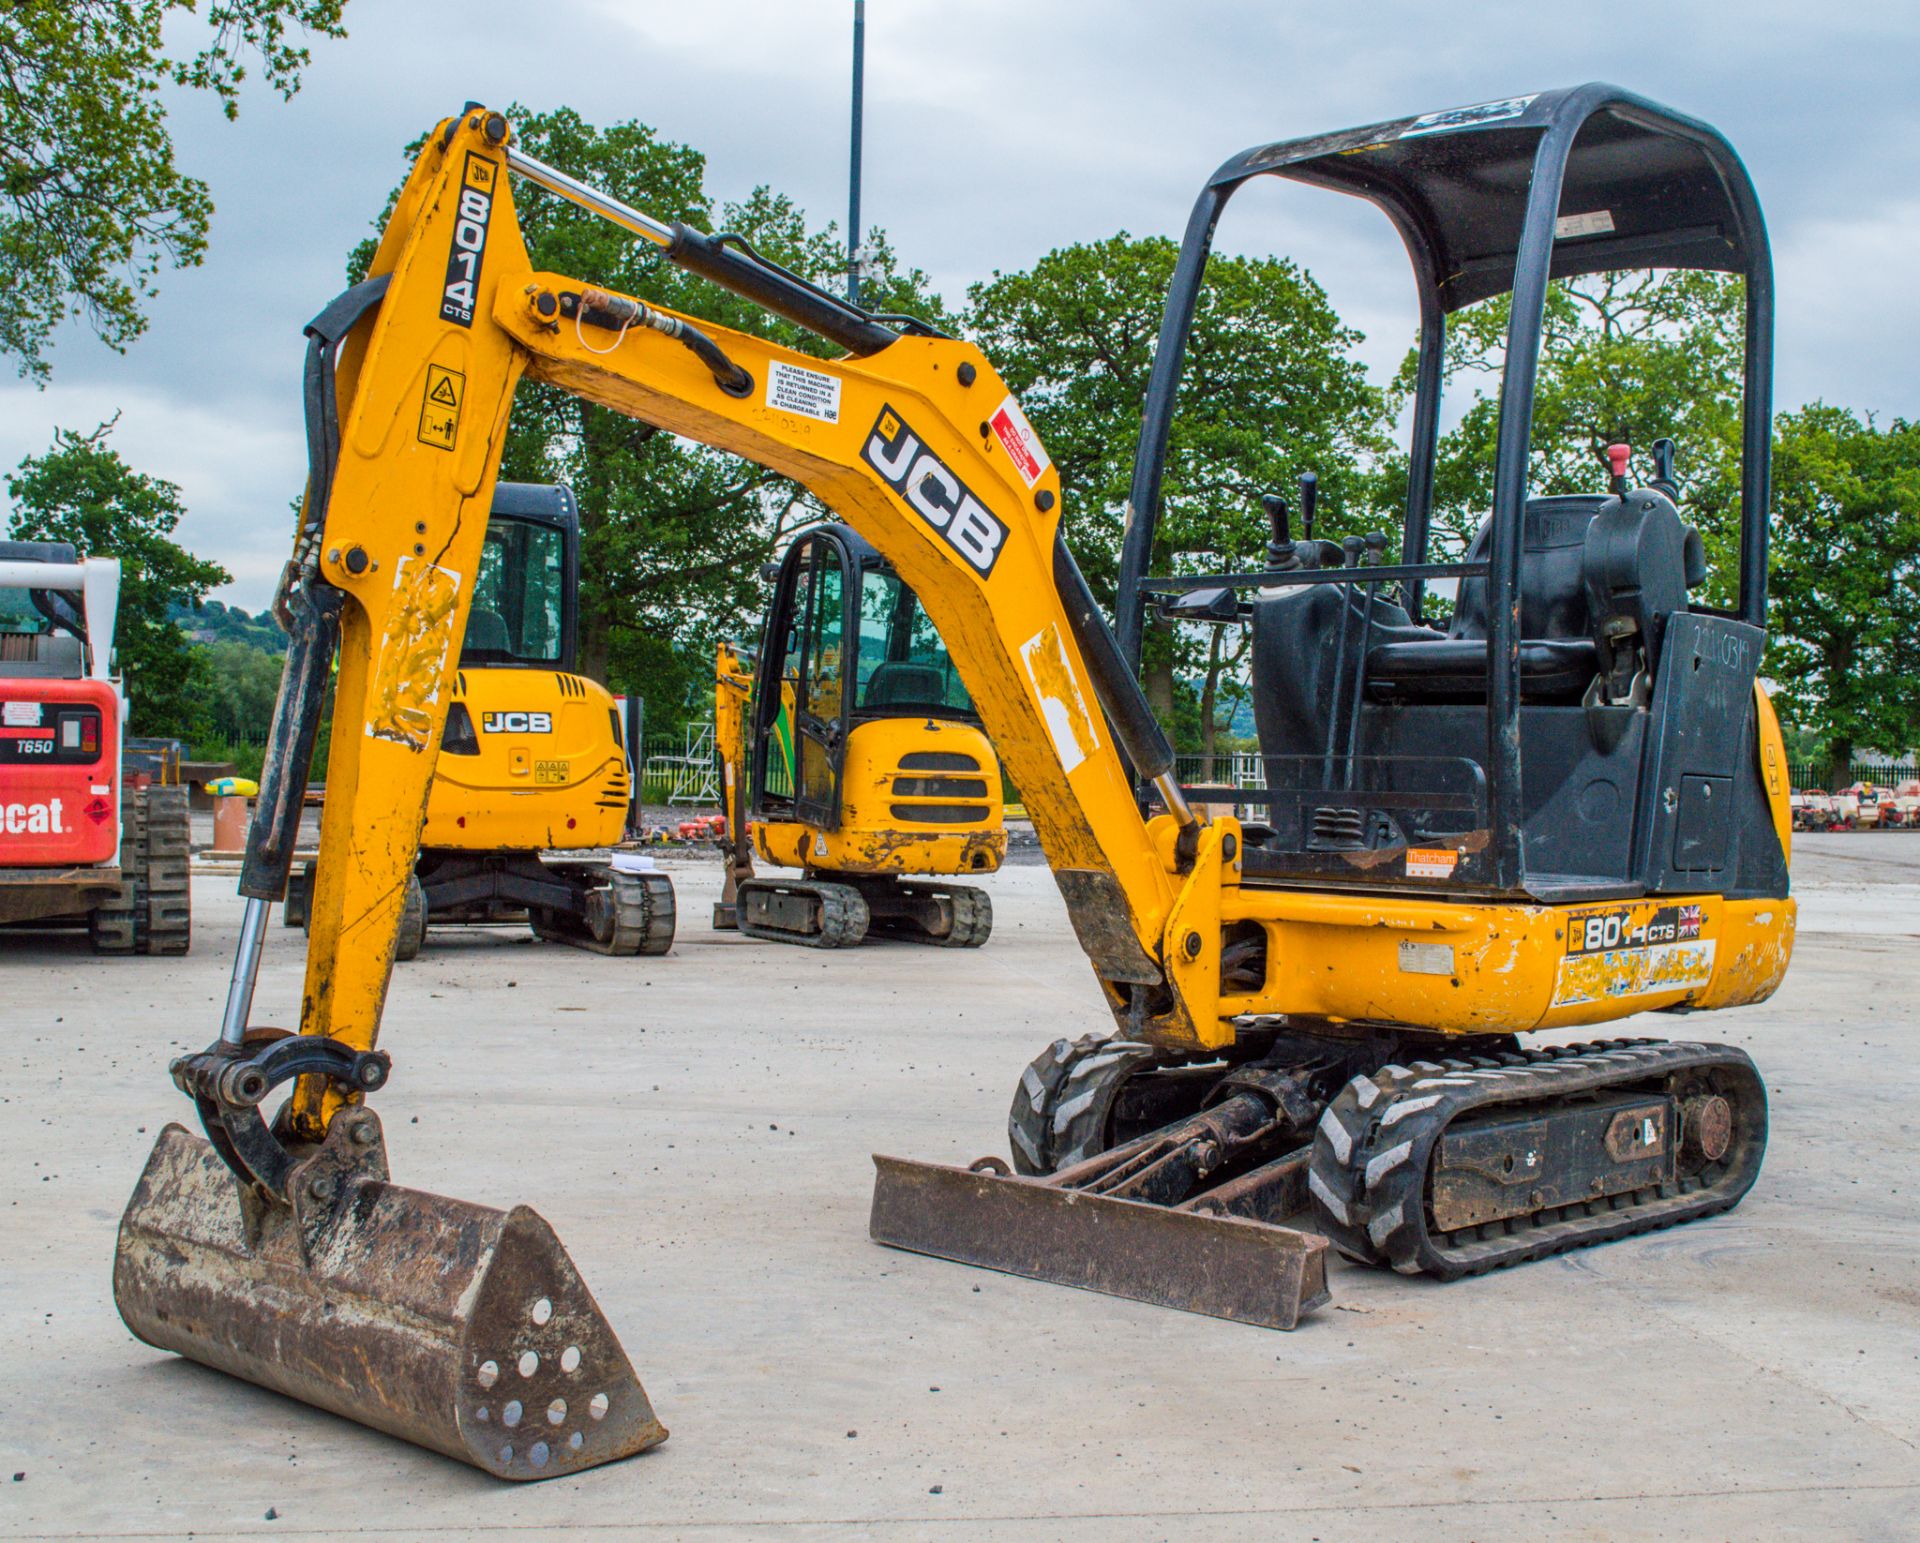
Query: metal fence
{"type": "Point", "coordinates": [1228, 768]}
{"type": "Point", "coordinates": [680, 769]}
{"type": "Point", "coordinates": [1823, 774]}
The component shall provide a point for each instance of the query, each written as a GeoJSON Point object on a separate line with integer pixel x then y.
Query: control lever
{"type": "Point", "coordinates": [1376, 541]}
{"type": "Point", "coordinates": [1309, 496]}
{"type": "Point", "coordinates": [1351, 547]}
{"type": "Point", "coordinates": [1663, 470]}
{"type": "Point", "coordinates": [1617, 458]}
{"type": "Point", "coordinates": [1280, 553]}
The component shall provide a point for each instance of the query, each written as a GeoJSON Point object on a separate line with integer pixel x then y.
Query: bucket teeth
{"type": "Point", "coordinates": [456, 1326]}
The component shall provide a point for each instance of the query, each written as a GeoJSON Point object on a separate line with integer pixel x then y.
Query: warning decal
{"type": "Point", "coordinates": [1017, 438]}
{"type": "Point", "coordinates": [811, 393]}
{"type": "Point", "coordinates": [1570, 226]}
{"type": "Point", "coordinates": [1467, 117]}
{"type": "Point", "coordinates": [440, 406]}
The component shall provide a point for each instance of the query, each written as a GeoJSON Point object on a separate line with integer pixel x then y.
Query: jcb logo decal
{"type": "Point", "coordinates": [516, 723]}
{"type": "Point", "coordinates": [934, 493]}
{"type": "Point", "coordinates": [469, 240]}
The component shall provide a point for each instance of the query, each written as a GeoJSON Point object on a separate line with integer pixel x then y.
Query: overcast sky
{"type": "Point", "coordinates": [996, 131]}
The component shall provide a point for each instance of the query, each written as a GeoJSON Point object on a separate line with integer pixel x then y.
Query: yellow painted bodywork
{"type": "Point", "coordinates": [525, 791]}
{"type": "Point", "coordinates": [874, 835]}
{"type": "Point", "coordinates": [1335, 956]}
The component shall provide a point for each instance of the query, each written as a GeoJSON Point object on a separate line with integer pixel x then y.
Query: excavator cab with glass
{"type": "Point", "coordinates": [868, 763]}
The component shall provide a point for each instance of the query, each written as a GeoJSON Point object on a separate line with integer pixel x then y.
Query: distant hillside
{"type": "Point", "coordinates": [216, 622]}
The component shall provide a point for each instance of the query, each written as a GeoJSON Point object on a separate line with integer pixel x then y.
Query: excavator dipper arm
{"type": "Point", "coordinates": [918, 444]}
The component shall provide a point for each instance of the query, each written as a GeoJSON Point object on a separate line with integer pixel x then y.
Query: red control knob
{"type": "Point", "coordinates": [1617, 458]}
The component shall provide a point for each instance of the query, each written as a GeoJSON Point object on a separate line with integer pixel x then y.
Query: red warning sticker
{"type": "Point", "coordinates": [1017, 438]}
{"type": "Point", "coordinates": [98, 810]}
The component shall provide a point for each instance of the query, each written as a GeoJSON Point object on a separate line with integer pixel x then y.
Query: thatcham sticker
{"type": "Point", "coordinates": [933, 492]}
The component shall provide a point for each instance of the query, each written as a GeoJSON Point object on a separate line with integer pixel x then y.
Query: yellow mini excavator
{"type": "Point", "coordinates": [533, 773]}
{"type": "Point", "coordinates": [1564, 808]}
{"type": "Point", "coordinates": [860, 760]}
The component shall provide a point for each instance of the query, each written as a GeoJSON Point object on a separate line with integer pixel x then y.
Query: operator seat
{"type": "Point", "coordinates": [899, 682]}
{"type": "Point", "coordinates": [1558, 656]}
{"type": "Point", "coordinates": [487, 632]}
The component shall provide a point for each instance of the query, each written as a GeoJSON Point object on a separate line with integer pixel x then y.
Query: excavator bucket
{"type": "Point", "coordinates": [456, 1326]}
{"type": "Point", "coordinates": [1224, 1265]}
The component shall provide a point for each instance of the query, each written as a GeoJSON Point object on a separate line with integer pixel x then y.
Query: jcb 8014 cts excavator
{"type": "Point", "coordinates": [1566, 808]}
{"type": "Point", "coordinates": [858, 759]}
{"type": "Point", "coordinates": [532, 762]}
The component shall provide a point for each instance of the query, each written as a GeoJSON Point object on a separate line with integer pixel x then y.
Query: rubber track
{"type": "Point", "coordinates": [1062, 1101]}
{"type": "Point", "coordinates": [840, 911]}
{"type": "Point", "coordinates": [643, 915]}
{"type": "Point", "coordinates": [1030, 1119]}
{"type": "Point", "coordinates": [1373, 1149]}
{"type": "Point", "coordinates": [119, 925]}
{"type": "Point", "coordinates": [971, 910]}
{"type": "Point", "coordinates": [412, 934]}
{"type": "Point", "coordinates": [169, 900]}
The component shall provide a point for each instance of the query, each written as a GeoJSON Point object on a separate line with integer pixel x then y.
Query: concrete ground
{"type": "Point", "coordinates": [698, 1127]}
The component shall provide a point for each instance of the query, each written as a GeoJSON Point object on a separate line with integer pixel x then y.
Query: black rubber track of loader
{"type": "Point", "coordinates": [1369, 1168]}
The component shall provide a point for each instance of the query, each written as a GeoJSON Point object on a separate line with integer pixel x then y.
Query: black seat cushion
{"type": "Point", "coordinates": [1455, 670]}
{"type": "Point", "coordinates": [1553, 596]}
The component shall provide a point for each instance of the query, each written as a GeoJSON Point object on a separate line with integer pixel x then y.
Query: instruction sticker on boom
{"type": "Point", "coordinates": [933, 492]}
{"type": "Point", "coordinates": [471, 218]}
{"type": "Point", "coordinates": [810, 393]}
{"type": "Point", "coordinates": [440, 407]}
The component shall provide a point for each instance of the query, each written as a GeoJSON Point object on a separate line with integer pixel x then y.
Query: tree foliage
{"type": "Point", "coordinates": [1845, 654]}
{"type": "Point", "coordinates": [82, 492]}
{"type": "Point", "coordinates": [1625, 358]}
{"type": "Point", "coordinates": [1271, 388]}
{"type": "Point", "coordinates": [673, 534]}
{"type": "Point", "coordinates": [93, 203]}
{"type": "Point", "coordinates": [237, 686]}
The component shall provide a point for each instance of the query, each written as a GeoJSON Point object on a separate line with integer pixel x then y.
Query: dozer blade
{"type": "Point", "coordinates": [456, 1326]}
{"type": "Point", "coordinates": [1224, 1266]}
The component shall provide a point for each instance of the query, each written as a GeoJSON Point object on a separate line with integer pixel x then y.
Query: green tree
{"type": "Point", "coordinates": [1845, 581]}
{"type": "Point", "coordinates": [673, 534]}
{"type": "Point", "coordinates": [1271, 388]}
{"type": "Point", "coordinates": [237, 686]}
{"type": "Point", "coordinates": [92, 201]}
{"type": "Point", "coordinates": [1625, 358]}
{"type": "Point", "coordinates": [82, 492]}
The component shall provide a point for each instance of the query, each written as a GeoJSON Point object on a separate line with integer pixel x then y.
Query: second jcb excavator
{"type": "Point", "coordinates": [1319, 1007]}
{"type": "Point", "coordinates": [856, 756]}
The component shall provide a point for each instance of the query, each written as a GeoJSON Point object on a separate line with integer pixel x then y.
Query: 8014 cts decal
{"type": "Point", "coordinates": [933, 492]}
{"type": "Point", "coordinates": [469, 240]}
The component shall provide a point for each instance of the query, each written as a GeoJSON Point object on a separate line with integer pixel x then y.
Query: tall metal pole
{"type": "Point", "coordinates": [853, 194]}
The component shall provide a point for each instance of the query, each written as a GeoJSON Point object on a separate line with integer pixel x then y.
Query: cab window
{"type": "Point", "coordinates": [904, 665]}
{"type": "Point", "coordinates": [519, 600]}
